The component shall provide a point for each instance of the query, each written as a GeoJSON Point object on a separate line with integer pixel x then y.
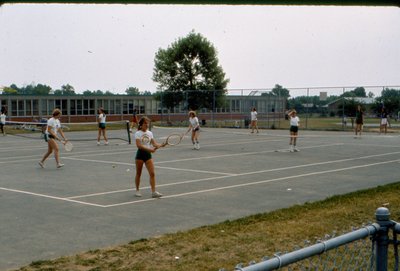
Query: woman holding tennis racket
{"type": "Point", "coordinates": [146, 146]}
{"type": "Point", "coordinates": [53, 130]}
{"type": "Point", "coordinates": [194, 126]}
{"type": "Point", "coordinates": [102, 126]}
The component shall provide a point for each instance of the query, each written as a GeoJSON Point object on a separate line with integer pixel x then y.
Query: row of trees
{"type": "Point", "coordinates": [67, 90]}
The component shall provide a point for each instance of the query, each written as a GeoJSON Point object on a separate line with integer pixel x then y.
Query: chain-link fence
{"type": "Point", "coordinates": [217, 108]}
{"type": "Point", "coordinates": [373, 247]}
{"type": "Point", "coordinates": [325, 108]}
{"type": "Point", "coordinates": [334, 108]}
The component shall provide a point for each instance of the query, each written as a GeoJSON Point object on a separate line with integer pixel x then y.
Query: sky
{"type": "Point", "coordinates": [112, 47]}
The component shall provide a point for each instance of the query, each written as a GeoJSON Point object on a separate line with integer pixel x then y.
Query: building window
{"type": "Point", "coordinates": [72, 107]}
{"type": "Point", "coordinates": [50, 107]}
{"type": "Point", "coordinates": [92, 110]}
{"type": "Point", "coordinates": [112, 110]}
{"type": "Point", "coordinates": [28, 109]}
{"type": "Point", "coordinates": [117, 107]}
{"type": "Point", "coordinates": [124, 107]}
{"type": "Point", "coordinates": [88, 107]}
{"type": "Point", "coordinates": [21, 108]}
{"type": "Point", "coordinates": [35, 105]}
{"type": "Point", "coordinates": [14, 108]}
{"type": "Point", "coordinates": [79, 106]}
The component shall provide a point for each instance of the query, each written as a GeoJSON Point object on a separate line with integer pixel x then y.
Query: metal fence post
{"type": "Point", "coordinates": [382, 216]}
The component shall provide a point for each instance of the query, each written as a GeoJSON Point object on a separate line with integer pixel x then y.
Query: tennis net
{"type": "Point", "coordinates": [82, 131]}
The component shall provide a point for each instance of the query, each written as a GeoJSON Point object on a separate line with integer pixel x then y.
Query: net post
{"type": "Point", "coordinates": [129, 132]}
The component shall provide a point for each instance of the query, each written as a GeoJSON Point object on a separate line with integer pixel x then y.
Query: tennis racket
{"type": "Point", "coordinates": [68, 146]}
{"type": "Point", "coordinates": [173, 139]}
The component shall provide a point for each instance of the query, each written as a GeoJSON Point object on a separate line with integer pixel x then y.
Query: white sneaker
{"type": "Point", "coordinates": [197, 146]}
{"type": "Point", "coordinates": [138, 194]}
{"type": "Point", "coordinates": [296, 150]}
{"type": "Point", "coordinates": [194, 146]}
{"type": "Point", "coordinates": [60, 165]}
{"type": "Point", "coordinates": [106, 143]}
{"type": "Point", "coordinates": [98, 143]}
{"type": "Point", "coordinates": [41, 164]}
{"type": "Point", "coordinates": [291, 149]}
{"type": "Point", "coordinates": [156, 194]}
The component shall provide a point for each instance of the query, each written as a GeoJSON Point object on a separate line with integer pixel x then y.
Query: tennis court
{"type": "Point", "coordinates": [89, 203]}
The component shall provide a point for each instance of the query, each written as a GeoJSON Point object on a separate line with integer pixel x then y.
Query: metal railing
{"type": "Point", "coordinates": [352, 251]}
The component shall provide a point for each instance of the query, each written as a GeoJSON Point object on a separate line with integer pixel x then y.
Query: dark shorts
{"type": "Point", "coordinates": [102, 125]}
{"type": "Point", "coordinates": [143, 155]}
{"type": "Point", "coordinates": [196, 129]}
{"type": "Point", "coordinates": [47, 137]}
{"type": "Point", "coordinates": [359, 121]}
{"type": "Point", "coordinates": [294, 129]}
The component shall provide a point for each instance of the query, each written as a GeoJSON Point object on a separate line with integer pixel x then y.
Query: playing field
{"type": "Point", "coordinates": [90, 203]}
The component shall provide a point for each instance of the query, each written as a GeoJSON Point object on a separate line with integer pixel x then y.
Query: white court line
{"type": "Point", "coordinates": [251, 183]}
{"type": "Point", "coordinates": [239, 174]}
{"type": "Point", "coordinates": [199, 171]}
{"type": "Point", "coordinates": [192, 158]}
{"type": "Point", "coordinates": [200, 191]}
{"type": "Point", "coordinates": [240, 154]}
{"type": "Point", "coordinates": [50, 197]}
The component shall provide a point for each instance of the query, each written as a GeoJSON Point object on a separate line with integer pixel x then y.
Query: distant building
{"type": "Point", "coordinates": [78, 108]}
{"type": "Point", "coordinates": [336, 105]}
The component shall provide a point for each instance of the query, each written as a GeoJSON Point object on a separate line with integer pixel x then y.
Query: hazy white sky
{"type": "Point", "coordinates": [112, 47]}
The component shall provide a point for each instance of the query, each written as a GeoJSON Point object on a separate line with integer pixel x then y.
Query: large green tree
{"type": "Point", "coordinates": [280, 91]}
{"type": "Point", "coordinates": [357, 92]}
{"type": "Point", "coordinates": [65, 90]}
{"type": "Point", "coordinates": [390, 99]}
{"type": "Point", "coordinates": [132, 91]}
{"type": "Point", "coordinates": [188, 70]}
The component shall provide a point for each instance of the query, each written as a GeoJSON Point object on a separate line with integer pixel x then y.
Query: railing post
{"type": "Point", "coordinates": [382, 216]}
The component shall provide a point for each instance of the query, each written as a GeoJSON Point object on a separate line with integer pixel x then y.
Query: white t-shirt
{"type": "Point", "coordinates": [194, 122]}
{"type": "Point", "coordinates": [3, 118]}
{"type": "Point", "coordinates": [144, 137]}
{"type": "Point", "coordinates": [54, 124]}
{"type": "Point", "coordinates": [253, 115]}
{"type": "Point", "coordinates": [102, 118]}
{"type": "Point", "coordinates": [294, 121]}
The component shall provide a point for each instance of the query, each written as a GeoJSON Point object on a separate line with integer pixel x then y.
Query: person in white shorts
{"type": "Point", "coordinates": [253, 118]}
{"type": "Point", "coordinates": [384, 121]}
{"type": "Point", "coordinates": [194, 126]}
